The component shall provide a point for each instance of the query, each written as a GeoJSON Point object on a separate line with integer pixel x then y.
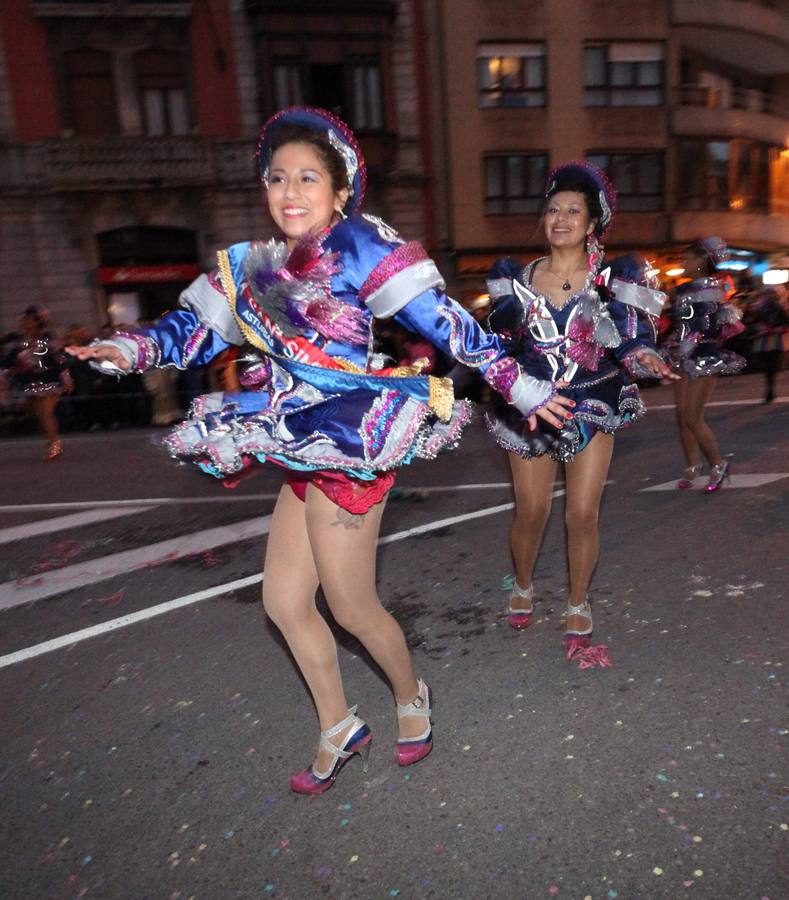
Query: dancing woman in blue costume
{"type": "Point", "coordinates": [321, 405]}
{"type": "Point", "coordinates": [589, 330]}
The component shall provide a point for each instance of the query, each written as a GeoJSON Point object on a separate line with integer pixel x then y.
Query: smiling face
{"type": "Point", "coordinates": [566, 220]}
{"type": "Point", "coordinates": [301, 197]}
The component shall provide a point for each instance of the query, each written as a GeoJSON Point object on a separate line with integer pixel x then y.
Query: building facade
{"type": "Point", "coordinates": [128, 129]}
{"type": "Point", "coordinates": [685, 103]}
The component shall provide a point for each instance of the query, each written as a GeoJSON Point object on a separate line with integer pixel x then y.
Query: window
{"type": "Point", "coordinates": [89, 91]}
{"type": "Point", "coordinates": [161, 83]}
{"type": "Point", "coordinates": [514, 183]}
{"type": "Point", "coordinates": [627, 74]}
{"type": "Point", "coordinates": [511, 75]}
{"type": "Point", "coordinates": [367, 105]}
{"type": "Point", "coordinates": [637, 177]}
{"type": "Point", "coordinates": [724, 175]}
{"type": "Point", "coordinates": [287, 80]}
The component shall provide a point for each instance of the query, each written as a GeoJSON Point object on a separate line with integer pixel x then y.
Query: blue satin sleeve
{"type": "Point", "coordinates": [183, 341]}
{"type": "Point", "coordinates": [450, 328]}
{"type": "Point", "coordinates": [636, 329]}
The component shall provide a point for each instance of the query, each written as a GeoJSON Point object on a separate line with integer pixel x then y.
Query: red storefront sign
{"type": "Point", "coordinates": [147, 274]}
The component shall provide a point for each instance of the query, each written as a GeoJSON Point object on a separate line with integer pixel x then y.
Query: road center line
{"type": "Point", "coordinates": [75, 637]}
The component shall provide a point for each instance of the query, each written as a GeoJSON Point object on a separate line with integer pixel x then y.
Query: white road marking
{"type": "Point", "coordinates": [55, 581]}
{"type": "Point", "coordinates": [74, 637]}
{"type": "Point", "coordinates": [737, 481]}
{"type": "Point", "coordinates": [61, 523]}
{"type": "Point", "coordinates": [226, 498]}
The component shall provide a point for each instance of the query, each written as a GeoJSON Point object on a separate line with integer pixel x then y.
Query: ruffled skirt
{"type": "Point", "coordinates": [702, 360]}
{"type": "Point", "coordinates": [358, 426]}
{"type": "Point", "coordinates": [608, 406]}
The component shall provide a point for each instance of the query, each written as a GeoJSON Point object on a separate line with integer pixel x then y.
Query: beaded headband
{"type": "Point", "coordinates": [588, 173]}
{"type": "Point", "coordinates": [339, 135]}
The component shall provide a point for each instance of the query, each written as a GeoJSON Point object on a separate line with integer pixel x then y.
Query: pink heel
{"type": "Point", "coordinates": [691, 474]}
{"type": "Point", "coordinates": [358, 740]}
{"type": "Point", "coordinates": [718, 474]}
{"type": "Point", "coordinates": [411, 750]}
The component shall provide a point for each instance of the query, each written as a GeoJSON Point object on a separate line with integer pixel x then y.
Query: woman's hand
{"type": "Point", "coordinates": [655, 365]}
{"type": "Point", "coordinates": [555, 411]}
{"type": "Point", "coordinates": [101, 353]}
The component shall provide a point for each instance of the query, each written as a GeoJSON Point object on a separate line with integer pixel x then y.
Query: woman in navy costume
{"type": "Point", "coordinates": [702, 321]}
{"type": "Point", "coordinates": [590, 330]}
{"type": "Point", "coordinates": [321, 405]}
{"type": "Point", "coordinates": [38, 370]}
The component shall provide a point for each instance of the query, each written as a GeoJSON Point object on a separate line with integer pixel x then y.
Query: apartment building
{"type": "Point", "coordinates": [128, 130]}
{"type": "Point", "coordinates": [685, 103]}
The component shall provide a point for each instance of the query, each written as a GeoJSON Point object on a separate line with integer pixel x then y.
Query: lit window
{"type": "Point", "coordinates": [626, 74]}
{"type": "Point", "coordinates": [511, 75]}
{"type": "Point", "coordinates": [514, 183]}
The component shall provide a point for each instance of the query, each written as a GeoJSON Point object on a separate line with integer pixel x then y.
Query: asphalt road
{"type": "Point", "coordinates": [149, 757]}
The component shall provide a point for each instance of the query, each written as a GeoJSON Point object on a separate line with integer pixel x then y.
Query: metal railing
{"type": "Point", "coordinates": [748, 99]}
{"type": "Point", "coordinates": [79, 164]}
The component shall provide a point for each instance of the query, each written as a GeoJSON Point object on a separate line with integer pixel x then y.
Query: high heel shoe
{"type": "Point", "coordinates": [578, 642]}
{"type": "Point", "coordinates": [691, 474]}
{"type": "Point", "coordinates": [54, 450]}
{"type": "Point", "coordinates": [357, 740]}
{"type": "Point", "coordinates": [718, 474]}
{"type": "Point", "coordinates": [519, 617]}
{"type": "Point", "coordinates": [411, 750]}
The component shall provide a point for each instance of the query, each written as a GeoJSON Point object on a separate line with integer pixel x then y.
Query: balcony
{"type": "Point", "coordinates": [701, 111]}
{"type": "Point", "coordinates": [755, 33]}
{"type": "Point", "coordinates": [759, 231]}
{"type": "Point", "coordinates": [124, 163]}
{"type": "Point", "coordinates": [82, 9]}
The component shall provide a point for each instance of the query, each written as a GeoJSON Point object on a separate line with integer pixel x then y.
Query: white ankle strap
{"type": "Point", "coordinates": [340, 726]}
{"type": "Point", "coordinates": [420, 705]}
{"type": "Point", "coordinates": [524, 593]}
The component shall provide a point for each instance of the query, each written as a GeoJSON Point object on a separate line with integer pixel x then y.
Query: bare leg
{"type": "Point", "coordinates": [289, 586]}
{"type": "Point", "coordinates": [344, 548]}
{"type": "Point", "coordinates": [585, 477]}
{"type": "Point", "coordinates": [532, 481]}
{"type": "Point", "coordinates": [44, 411]}
{"type": "Point", "coordinates": [689, 443]}
{"type": "Point", "coordinates": [699, 392]}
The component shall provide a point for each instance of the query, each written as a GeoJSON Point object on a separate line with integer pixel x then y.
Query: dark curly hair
{"type": "Point", "coordinates": [303, 134]}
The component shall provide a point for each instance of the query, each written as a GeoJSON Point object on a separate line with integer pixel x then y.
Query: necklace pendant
{"type": "Point", "coordinates": [567, 286]}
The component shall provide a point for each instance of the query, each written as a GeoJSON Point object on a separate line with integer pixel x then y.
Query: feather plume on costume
{"type": "Point", "coordinates": [293, 290]}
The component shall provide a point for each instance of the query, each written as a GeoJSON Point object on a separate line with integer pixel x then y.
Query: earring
{"type": "Point", "coordinates": [340, 213]}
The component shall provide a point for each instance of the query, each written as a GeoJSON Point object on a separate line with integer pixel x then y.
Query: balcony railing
{"type": "Point", "coordinates": [125, 162]}
{"type": "Point", "coordinates": [735, 98]}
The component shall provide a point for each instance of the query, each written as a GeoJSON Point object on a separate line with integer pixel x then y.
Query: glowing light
{"type": "Point", "coordinates": [675, 273]}
{"type": "Point", "coordinates": [775, 276]}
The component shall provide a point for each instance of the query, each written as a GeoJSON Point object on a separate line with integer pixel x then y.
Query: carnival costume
{"type": "Point", "coordinates": [36, 369]}
{"type": "Point", "coordinates": [591, 342]}
{"type": "Point", "coordinates": [319, 402]}
{"type": "Point", "coordinates": [702, 321]}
